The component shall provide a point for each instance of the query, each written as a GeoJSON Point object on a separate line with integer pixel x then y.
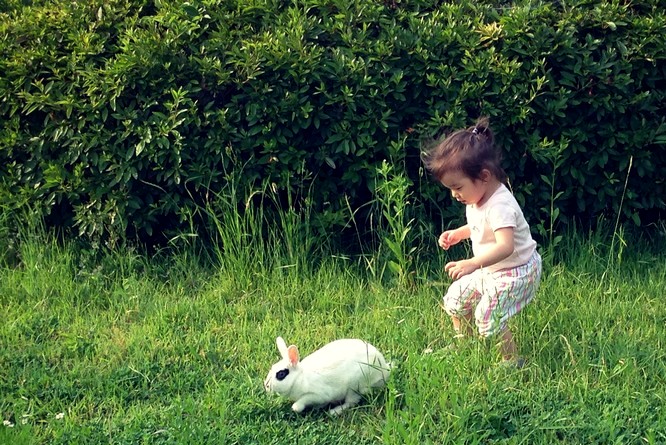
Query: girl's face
{"type": "Point", "coordinates": [467, 190]}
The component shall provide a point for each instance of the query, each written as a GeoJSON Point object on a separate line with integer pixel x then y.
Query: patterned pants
{"type": "Point", "coordinates": [494, 296]}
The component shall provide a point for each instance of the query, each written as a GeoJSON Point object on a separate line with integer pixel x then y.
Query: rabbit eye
{"type": "Point", "coordinates": [282, 374]}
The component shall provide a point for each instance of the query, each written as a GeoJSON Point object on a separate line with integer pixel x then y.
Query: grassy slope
{"type": "Point", "coordinates": [165, 351]}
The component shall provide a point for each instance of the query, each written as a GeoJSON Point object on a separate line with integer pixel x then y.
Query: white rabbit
{"type": "Point", "coordinates": [341, 371]}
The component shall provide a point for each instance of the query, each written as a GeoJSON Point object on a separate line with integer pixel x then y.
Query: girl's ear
{"type": "Point", "coordinates": [485, 175]}
{"type": "Point", "coordinates": [292, 353]}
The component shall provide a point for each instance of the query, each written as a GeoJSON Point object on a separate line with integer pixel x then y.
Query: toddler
{"type": "Point", "coordinates": [504, 273]}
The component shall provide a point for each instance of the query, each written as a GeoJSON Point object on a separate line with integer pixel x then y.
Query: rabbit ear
{"type": "Point", "coordinates": [282, 347]}
{"type": "Point", "coordinates": [292, 353]}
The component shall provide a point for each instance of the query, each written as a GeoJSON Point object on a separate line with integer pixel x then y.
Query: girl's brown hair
{"type": "Point", "coordinates": [469, 151]}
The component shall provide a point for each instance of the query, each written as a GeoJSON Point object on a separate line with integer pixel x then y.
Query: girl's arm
{"type": "Point", "coordinates": [464, 232]}
{"type": "Point", "coordinates": [452, 237]}
{"type": "Point", "coordinates": [502, 249]}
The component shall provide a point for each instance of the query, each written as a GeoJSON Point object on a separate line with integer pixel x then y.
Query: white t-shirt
{"type": "Point", "coordinates": [501, 210]}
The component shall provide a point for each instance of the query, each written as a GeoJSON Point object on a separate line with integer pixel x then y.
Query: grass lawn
{"type": "Point", "coordinates": [123, 349]}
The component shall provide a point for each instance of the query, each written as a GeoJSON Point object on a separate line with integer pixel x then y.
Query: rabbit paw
{"type": "Point", "coordinates": [351, 400]}
{"type": "Point", "coordinates": [298, 406]}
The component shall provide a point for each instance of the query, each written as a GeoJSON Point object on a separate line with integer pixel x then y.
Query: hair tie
{"type": "Point", "coordinates": [475, 130]}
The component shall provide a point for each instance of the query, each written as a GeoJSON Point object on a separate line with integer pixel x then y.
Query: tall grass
{"type": "Point", "coordinates": [119, 347]}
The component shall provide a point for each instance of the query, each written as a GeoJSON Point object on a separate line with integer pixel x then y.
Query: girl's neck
{"type": "Point", "coordinates": [492, 186]}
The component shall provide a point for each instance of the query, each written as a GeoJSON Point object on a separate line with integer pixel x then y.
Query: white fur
{"type": "Point", "coordinates": [341, 371]}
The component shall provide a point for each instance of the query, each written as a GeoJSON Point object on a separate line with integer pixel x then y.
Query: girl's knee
{"type": "Point", "coordinates": [488, 331]}
{"type": "Point", "coordinates": [460, 299]}
{"type": "Point", "coordinates": [453, 308]}
{"type": "Point", "coordinates": [489, 325]}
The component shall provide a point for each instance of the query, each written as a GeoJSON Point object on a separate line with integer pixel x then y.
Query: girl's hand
{"type": "Point", "coordinates": [448, 239]}
{"type": "Point", "coordinates": [458, 269]}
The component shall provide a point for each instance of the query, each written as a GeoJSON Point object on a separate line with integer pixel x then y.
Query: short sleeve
{"type": "Point", "coordinates": [502, 215]}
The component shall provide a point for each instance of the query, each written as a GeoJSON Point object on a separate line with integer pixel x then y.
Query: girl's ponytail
{"type": "Point", "coordinates": [482, 129]}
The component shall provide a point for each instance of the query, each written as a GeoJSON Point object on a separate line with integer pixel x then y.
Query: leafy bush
{"type": "Point", "coordinates": [124, 119]}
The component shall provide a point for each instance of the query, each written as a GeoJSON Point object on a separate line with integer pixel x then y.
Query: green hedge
{"type": "Point", "coordinates": [122, 118]}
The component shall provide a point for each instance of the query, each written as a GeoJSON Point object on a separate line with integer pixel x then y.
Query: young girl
{"type": "Point", "coordinates": [504, 273]}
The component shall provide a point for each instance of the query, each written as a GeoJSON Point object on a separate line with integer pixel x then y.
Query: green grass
{"type": "Point", "coordinates": [116, 347]}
